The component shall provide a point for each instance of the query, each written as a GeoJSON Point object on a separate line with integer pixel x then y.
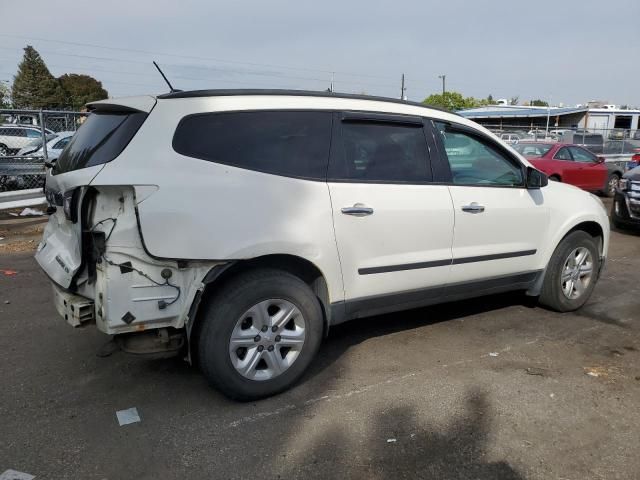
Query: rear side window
{"type": "Point", "coordinates": [100, 139]}
{"type": "Point", "coordinates": [288, 143]}
{"type": "Point", "coordinates": [382, 152]}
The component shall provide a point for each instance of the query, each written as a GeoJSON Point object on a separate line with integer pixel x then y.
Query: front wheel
{"type": "Point", "coordinates": [571, 273]}
{"type": "Point", "coordinates": [260, 333]}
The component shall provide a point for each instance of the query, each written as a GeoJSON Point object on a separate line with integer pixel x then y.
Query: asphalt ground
{"type": "Point", "coordinates": [492, 388]}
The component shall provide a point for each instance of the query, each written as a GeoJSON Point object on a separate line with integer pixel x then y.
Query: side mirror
{"type": "Point", "coordinates": [536, 179]}
{"type": "Point", "coordinates": [600, 160]}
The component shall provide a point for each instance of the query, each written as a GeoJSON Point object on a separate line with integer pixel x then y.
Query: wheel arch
{"type": "Point", "coordinates": [219, 275]}
{"type": "Point", "coordinates": [591, 227]}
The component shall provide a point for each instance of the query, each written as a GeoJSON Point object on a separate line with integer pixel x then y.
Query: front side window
{"type": "Point", "coordinates": [61, 144]}
{"type": "Point", "coordinates": [379, 152]}
{"type": "Point", "coordinates": [581, 155]}
{"type": "Point", "coordinates": [475, 161]}
{"type": "Point", "coordinates": [289, 143]}
{"type": "Point", "coordinates": [563, 154]}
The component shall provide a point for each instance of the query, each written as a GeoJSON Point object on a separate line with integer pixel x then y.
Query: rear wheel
{"type": "Point", "coordinates": [612, 184]}
{"type": "Point", "coordinates": [4, 151]}
{"type": "Point", "coordinates": [571, 273]}
{"type": "Point", "coordinates": [260, 333]}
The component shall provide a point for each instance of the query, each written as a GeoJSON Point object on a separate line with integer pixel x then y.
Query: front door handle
{"type": "Point", "coordinates": [358, 210]}
{"type": "Point", "coordinates": [473, 207]}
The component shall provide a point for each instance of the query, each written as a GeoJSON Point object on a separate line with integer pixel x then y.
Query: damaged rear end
{"type": "Point", "coordinates": [92, 248]}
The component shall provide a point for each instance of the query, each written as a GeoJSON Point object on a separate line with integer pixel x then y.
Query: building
{"type": "Point", "coordinates": [526, 117]}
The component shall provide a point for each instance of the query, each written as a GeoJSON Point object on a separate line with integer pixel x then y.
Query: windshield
{"type": "Point", "coordinates": [533, 149]}
{"type": "Point", "coordinates": [99, 140]}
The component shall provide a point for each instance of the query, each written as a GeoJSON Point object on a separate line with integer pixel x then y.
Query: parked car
{"type": "Point", "coordinates": [567, 163]}
{"type": "Point", "coordinates": [635, 161]}
{"type": "Point", "coordinates": [621, 147]}
{"type": "Point", "coordinates": [625, 212]}
{"type": "Point", "coordinates": [510, 138]}
{"type": "Point", "coordinates": [242, 225]}
{"type": "Point", "coordinates": [54, 146]}
{"type": "Point", "coordinates": [594, 142]}
{"type": "Point", "coordinates": [618, 134]}
{"type": "Point", "coordinates": [15, 137]}
{"type": "Point", "coordinates": [636, 135]}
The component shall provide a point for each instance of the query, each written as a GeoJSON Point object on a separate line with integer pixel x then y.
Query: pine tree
{"type": "Point", "coordinates": [33, 86]}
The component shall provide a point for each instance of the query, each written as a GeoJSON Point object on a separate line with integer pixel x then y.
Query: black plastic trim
{"type": "Point", "coordinates": [359, 116]}
{"type": "Point", "coordinates": [369, 306]}
{"type": "Point", "coordinates": [442, 263]}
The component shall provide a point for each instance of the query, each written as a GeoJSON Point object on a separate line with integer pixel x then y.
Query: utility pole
{"type": "Point", "coordinates": [443, 77]}
{"type": "Point", "coordinates": [331, 88]}
{"type": "Point", "coordinates": [402, 89]}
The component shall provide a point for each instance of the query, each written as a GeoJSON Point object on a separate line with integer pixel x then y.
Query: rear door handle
{"type": "Point", "coordinates": [358, 210]}
{"type": "Point", "coordinates": [473, 207]}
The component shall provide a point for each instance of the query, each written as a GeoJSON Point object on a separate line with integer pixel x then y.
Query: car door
{"type": "Point", "coordinates": [592, 173]}
{"type": "Point", "coordinates": [569, 169]}
{"type": "Point", "coordinates": [393, 226]}
{"type": "Point", "coordinates": [499, 223]}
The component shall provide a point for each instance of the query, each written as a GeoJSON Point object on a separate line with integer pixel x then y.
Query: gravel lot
{"type": "Point", "coordinates": [494, 388]}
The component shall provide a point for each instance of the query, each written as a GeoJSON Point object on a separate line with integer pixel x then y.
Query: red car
{"type": "Point", "coordinates": [566, 163]}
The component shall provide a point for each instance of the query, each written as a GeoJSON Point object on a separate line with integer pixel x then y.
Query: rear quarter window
{"type": "Point", "coordinates": [100, 139]}
{"type": "Point", "coordinates": [288, 143]}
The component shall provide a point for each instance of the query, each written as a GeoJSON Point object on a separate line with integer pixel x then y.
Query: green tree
{"type": "Point", "coordinates": [81, 89]}
{"type": "Point", "coordinates": [451, 101]}
{"type": "Point", "coordinates": [538, 103]}
{"type": "Point", "coordinates": [33, 85]}
{"type": "Point", "coordinates": [5, 96]}
{"type": "Point", "coordinates": [514, 100]}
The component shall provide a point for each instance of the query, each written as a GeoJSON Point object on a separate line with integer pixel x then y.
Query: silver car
{"type": "Point", "coordinates": [15, 137]}
{"type": "Point", "coordinates": [55, 145]}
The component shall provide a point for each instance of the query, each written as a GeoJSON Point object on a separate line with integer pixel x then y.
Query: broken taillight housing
{"type": "Point", "coordinates": [70, 204]}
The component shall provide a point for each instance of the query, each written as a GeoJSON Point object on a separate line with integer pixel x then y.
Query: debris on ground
{"type": "Point", "coordinates": [9, 273]}
{"type": "Point", "coordinates": [391, 440]}
{"type": "Point", "coordinates": [33, 212]}
{"type": "Point", "coordinates": [493, 354]}
{"type": "Point", "coordinates": [536, 371]}
{"type": "Point", "coordinates": [7, 302]}
{"type": "Point", "coordinates": [15, 475]}
{"type": "Point", "coordinates": [125, 417]}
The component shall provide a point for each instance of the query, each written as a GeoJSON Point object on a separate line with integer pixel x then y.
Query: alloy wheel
{"type": "Point", "coordinates": [267, 339]}
{"type": "Point", "coordinates": [613, 184]}
{"type": "Point", "coordinates": [577, 273]}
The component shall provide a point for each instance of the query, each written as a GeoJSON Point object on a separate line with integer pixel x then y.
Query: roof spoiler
{"type": "Point", "coordinates": [143, 103]}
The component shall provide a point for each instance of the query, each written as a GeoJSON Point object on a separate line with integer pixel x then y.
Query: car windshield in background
{"type": "Point", "coordinates": [533, 149]}
{"type": "Point", "coordinates": [100, 139]}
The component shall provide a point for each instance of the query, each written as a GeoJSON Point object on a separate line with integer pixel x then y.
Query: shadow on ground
{"type": "Point", "coordinates": [399, 445]}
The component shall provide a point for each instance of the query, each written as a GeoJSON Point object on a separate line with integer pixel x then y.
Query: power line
{"type": "Point", "coordinates": [148, 52]}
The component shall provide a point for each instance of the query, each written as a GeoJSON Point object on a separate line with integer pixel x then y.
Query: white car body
{"type": "Point", "coordinates": [54, 146]}
{"type": "Point", "coordinates": [164, 211]}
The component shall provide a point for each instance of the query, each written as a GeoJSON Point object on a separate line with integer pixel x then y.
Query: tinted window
{"type": "Point", "coordinates": [290, 143]}
{"type": "Point", "coordinates": [382, 152]}
{"type": "Point", "coordinates": [581, 155]}
{"type": "Point", "coordinates": [99, 140]}
{"type": "Point", "coordinates": [475, 161]}
{"type": "Point", "coordinates": [563, 154]}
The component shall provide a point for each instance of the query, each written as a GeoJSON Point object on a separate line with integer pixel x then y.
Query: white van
{"type": "Point", "coordinates": [241, 225]}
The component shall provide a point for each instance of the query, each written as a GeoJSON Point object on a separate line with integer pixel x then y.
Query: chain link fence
{"type": "Point", "coordinates": [22, 136]}
{"type": "Point", "coordinates": [601, 141]}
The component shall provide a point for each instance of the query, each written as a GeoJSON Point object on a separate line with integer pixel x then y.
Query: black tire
{"type": "Point", "coordinates": [4, 151]}
{"type": "Point", "coordinates": [229, 305]}
{"type": "Point", "coordinates": [552, 295]}
{"type": "Point", "coordinates": [612, 182]}
{"type": "Point", "coordinates": [555, 178]}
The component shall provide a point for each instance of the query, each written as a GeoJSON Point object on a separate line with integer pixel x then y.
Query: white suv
{"type": "Point", "coordinates": [239, 226]}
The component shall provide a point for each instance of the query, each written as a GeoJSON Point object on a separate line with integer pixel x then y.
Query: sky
{"type": "Point", "coordinates": [568, 52]}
